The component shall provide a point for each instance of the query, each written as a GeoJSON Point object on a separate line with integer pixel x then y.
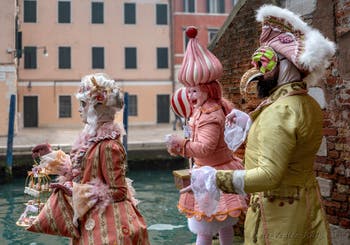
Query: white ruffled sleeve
{"type": "Point", "coordinates": [206, 193]}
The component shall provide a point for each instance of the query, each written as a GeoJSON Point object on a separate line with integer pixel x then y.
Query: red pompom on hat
{"type": "Point", "coordinates": [199, 65]}
{"type": "Point", "coordinates": [191, 32]}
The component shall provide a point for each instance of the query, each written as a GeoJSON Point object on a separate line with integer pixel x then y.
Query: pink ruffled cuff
{"type": "Point", "coordinates": [92, 195]}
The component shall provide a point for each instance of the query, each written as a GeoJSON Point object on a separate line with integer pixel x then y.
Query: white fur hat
{"type": "Point", "coordinates": [290, 36]}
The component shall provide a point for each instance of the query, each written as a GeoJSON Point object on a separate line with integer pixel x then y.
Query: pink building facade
{"type": "Point", "coordinates": [8, 65]}
{"type": "Point", "coordinates": [138, 43]}
{"type": "Point", "coordinates": [63, 40]}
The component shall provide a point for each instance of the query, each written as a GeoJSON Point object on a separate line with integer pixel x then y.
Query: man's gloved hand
{"type": "Point", "coordinates": [40, 150]}
{"type": "Point", "coordinates": [203, 186]}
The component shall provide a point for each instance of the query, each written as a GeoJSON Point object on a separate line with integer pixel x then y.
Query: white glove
{"type": "Point", "coordinates": [174, 144]}
{"type": "Point", "coordinates": [236, 128]}
{"type": "Point", "coordinates": [206, 193]}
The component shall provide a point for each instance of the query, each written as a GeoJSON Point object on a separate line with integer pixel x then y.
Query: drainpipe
{"type": "Point", "coordinates": [9, 153]}
{"type": "Point", "coordinates": [125, 120]}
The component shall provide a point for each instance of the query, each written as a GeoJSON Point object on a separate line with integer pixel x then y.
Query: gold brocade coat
{"type": "Point", "coordinates": [285, 205]}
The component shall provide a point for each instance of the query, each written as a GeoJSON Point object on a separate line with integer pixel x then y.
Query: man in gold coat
{"type": "Point", "coordinates": [285, 205]}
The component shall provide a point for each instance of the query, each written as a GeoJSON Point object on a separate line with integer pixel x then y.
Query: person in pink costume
{"type": "Point", "coordinates": [206, 146]}
{"type": "Point", "coordinates": [99, 203]}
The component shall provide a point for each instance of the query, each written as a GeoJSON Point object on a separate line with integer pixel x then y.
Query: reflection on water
{"type": "Point", "coordinates": [155, 189]}
{"type": "Point", "coordinates": [158, 196]}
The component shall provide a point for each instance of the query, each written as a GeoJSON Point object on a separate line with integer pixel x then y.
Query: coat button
{"type": "Point", "coordinates": [291, 200]}
{"type": "Point", "coordinates": [281, 204]}
{"type": "Point", "coordinates": [271, 198]}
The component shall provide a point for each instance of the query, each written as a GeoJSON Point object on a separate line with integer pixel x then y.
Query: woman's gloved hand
{"type": "Point", "coordinates": [57, 162]}
{"type": "Point", "coordinates": [238, 118]}
{"type": "Point", "coordinates": [237, 126]}
{"type": "Point", "coordinates": [174, 144]}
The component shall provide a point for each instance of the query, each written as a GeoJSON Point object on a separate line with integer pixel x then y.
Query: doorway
{"type": "Point", "coordinates": [163, 105]}
{"type": "Point", "coordinates": [30, 111]}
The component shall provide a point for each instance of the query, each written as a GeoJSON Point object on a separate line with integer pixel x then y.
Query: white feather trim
{"type": "Point", "coordinates": [317, 51]}
{"type": "Point", "coordinates": [290, 17]}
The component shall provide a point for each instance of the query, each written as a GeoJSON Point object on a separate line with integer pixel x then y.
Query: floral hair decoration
{"type": "Point", "coordinates": [98, 93]}
{"type": "Point", "coordinates": [99, 89]}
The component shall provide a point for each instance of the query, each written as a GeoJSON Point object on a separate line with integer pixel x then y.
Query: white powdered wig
{"type": "Point", "coordinates": [104, 99]}
{"type": "Point", "coordinates": [107, 88]}
{"type": "Point", "coordinates": [317, 49]}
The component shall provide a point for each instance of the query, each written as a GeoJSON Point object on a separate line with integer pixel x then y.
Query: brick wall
{"type": "Point", "coordinates": [333, 168]}
{"type": "Point", "coordinates": [234, 45]}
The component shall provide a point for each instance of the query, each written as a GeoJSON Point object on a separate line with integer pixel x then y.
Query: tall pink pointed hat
{"type": "Point", "coordinates": [287, 34]}
{"type": "Point", "coordinates": [199, 65]}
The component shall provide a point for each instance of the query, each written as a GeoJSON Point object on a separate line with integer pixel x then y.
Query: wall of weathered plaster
{"type": "Point", "coordinates": [8, 80]}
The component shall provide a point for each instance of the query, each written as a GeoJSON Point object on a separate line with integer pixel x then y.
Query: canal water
{"type": "Point", "coordinates": [154, 188]}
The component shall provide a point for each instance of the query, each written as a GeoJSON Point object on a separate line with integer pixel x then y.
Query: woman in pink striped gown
{"type": "Point", "coordinates": [93, 194]}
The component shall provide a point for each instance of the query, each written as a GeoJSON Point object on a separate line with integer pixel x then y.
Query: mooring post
{"type": "Point", "coordinates": [9, 153]}
{"type": "Point", "coordinates": [125, 120]}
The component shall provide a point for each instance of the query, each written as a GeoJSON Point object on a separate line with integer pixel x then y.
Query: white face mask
{"type": "Point", "coordinates": [197, 97]}
{"type": "Point", "coordinates": [83, 110]}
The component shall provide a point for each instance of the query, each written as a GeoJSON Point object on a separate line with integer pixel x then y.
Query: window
{"type": "Point", "coordinates": [18, 43]}
{"type": "Point", "coordinates": [132, 105]}
{"type": "Point", "coordinates": [189, 6]}
{"type": "Point", "coordinates": [29, 11]}
{"type": "Point", "coordinates": [98, 58]}
{"type": "Point", "coordinates": [162, 14]}
{"type": "Point", "coordinates": [211, 34]}
{"type": "Point", "coordinates": [129, 13]}
{"type": "Point", "coordinates": [65, 106]}
{"type": "Point", "coordinates": [64, 11]}
{"type": "Point", "coordinates": [216, 6]}
{"type": "Point", "coordinates": [162, 58]}
{"type": "Point", "coordinates": [130, 58]}
{"type": "Point", "coordinates": [64, 58]}
{"type": "Point", "coordinates": [163, 105]}
{"type": "Point", "coordinates": [29, 57]}
{"type": "Point", "coordinates": [97, 12]}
